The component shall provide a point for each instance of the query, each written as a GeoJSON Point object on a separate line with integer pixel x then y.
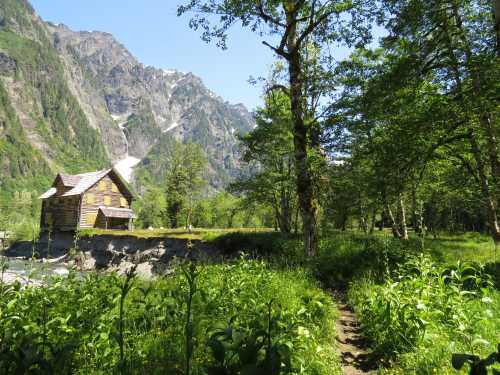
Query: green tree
{"type": "Point", "coordinates": [152, 208]}
{"type": "Point", "coordinates": [291, 25]}
{"type": "Point", "coordinates": [269, 148]}
{"type": "Point", "coordinates": [184, 182]}
{"type": "Point", "coordinates": [224, 207]}
{"type": "Point", "coordinates": [423, 108]}
{"type": "Point", "coordinates": [453, 46]}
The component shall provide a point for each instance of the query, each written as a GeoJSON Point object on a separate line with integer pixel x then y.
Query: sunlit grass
{"type": "Point", "coordinates": [445, 247]}
{"type": "Point", "coordinates": [202, 234]}
{"type": "Point", "coordinates": [476, 247]}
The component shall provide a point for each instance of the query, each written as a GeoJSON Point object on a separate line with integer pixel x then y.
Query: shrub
{"type": "Point", "coordinates": [423, 313]}
{"type": "Point", "coordinates": [342, 257]}
{"type": "Point", "coordinates": [90, 326]}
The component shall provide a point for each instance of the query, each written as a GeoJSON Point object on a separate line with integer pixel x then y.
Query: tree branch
{"type": "Point", "coordinates": [314, 24]}
{"type": "Point", "coordinates": [278, 50]}
{"type": "Point", "coordinates": [266, 17]}
{"type": "Point", "coordinates": [464, 162]}
{"type": "Point", "coordinates": [275, 87]}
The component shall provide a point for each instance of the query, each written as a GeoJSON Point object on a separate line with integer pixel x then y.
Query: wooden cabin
{"type": "Point", "coordinates": [89, 200]}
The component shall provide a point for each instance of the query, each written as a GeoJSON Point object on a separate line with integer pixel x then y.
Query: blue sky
{"type": "Point", "coordinates": [152, 32]}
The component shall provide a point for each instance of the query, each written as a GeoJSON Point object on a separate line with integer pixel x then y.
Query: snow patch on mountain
{"type": "Point", "coordinates": [125, 167]}
{"type": "Point", "coordinates": [171, 127]}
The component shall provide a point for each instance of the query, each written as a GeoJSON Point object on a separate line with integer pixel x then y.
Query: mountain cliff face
{"type": "Point", "coordinates": [80, 100]}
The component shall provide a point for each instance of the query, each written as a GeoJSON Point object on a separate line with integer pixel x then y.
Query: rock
{"type": "Point", "coordinates": [89, 263]}
{"type": "Point", "coordinates": [145, 270]}
{"type": "Point", "coordinates": [8, 65]}
{"type": "Point", "coordinates": [154, 256]}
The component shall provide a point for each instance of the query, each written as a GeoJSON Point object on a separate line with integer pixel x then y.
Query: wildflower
{"type": "Point", "coordinates": [303, 331]}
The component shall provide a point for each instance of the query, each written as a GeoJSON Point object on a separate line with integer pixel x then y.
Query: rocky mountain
{"type": "Point", "coordinates": [80, 100]}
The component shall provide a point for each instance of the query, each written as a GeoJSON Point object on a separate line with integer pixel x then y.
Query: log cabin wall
{"type": "Point", "coordinates": [107, 192]}
{"type": "Point", "coordinates": [60, 213]}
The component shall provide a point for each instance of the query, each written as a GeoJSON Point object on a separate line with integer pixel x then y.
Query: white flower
{"type": "Point", "coordinates": [486, 300]}
{"type": "Point", "coordinates": [303, 331]}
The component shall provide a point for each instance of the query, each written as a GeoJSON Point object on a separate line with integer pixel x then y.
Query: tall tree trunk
{"type": "Point", "coordinates": [394, 224]}
{"type": "Point", "coordinates": [486, 191]}
{"type": "Point", "coordinates": [363, 223]}
{"type": "Point", "coordinates": [420, 222]}
{"type": "Point", "coordinates": [286, 199]}
{"type": "Point", "coordinates": [415, 223]}
{"type": "Point", "coordinates": [305, 188]}
{"type": "Point", "coordinates": [373, 220]}
{"type": "Point", "coordinates": [402, 214]}
{"type": "Point", "coordinates": [296, 224]}
{"type": "Point", "coordinates": [284, 214]}
{"type": "Point", "coordinates": [188, 219]}
{"type": "Point", "coordinates": [277, 219]}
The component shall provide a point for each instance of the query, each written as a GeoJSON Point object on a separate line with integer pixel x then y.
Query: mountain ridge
{"type": "Point", "coordinates": [135, 110]}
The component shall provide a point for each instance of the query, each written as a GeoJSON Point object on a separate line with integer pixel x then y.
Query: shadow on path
{"type": "Point", "coordinates": [352, 348]}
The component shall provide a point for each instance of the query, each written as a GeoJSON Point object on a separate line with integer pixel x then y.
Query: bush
{"type": "Point", "coordinates": [243, 316]}
{"type": "Point", "coordinates": [260, 244]}
{"type": "Point", "coordinates": [423, 313]}
{"type": "Point", "coordinates": [343, 257]}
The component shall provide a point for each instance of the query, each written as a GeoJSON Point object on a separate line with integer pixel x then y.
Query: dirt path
{"type": "Point", "coordinates": [351, 347]}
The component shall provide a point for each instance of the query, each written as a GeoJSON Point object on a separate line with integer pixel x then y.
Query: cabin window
{"type": "Point", "coordinates": [123, 202]}
{"type": "Point", "coordinates": [107, 200]}
{"type": "Point", "coordinates": [102, 185]}
{"type": "Point", "coordinates": [90, 198]}
{"type": "Point", "coordinates": [48, 218]}
{"type": "Point", "coordinates": [114, 188]}
{"type": "Point", "coordinates": [91, 218]}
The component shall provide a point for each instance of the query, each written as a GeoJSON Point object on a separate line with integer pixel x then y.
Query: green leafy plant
{"type": "Point", "coordinates": [420, 302]}
{"type": "Point", "coordinates": [191, 273]}
{"type": "Point", "coordinates": [125, 289]}
{"type": "Point", "coordinates": [252, 351]}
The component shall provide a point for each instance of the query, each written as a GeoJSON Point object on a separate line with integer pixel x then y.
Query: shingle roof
{"type": "Point", "coordinates": [69, 180]}
{"type": "Point", "coordinates": [85, 182]}
{"type": "Point", "coordinates": [48, 193]}
{"type": "Point", "coordinates": [120, 213]}
{"type": "Point", "coordinates": [79, 183]}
